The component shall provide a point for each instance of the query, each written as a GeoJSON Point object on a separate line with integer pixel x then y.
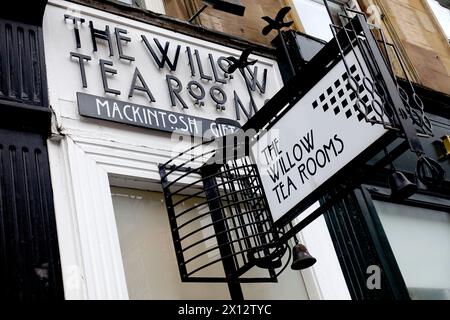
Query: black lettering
{"type": "Point", "coordinates": [104, 70]}
{"type": "Point", "coordinates": [301, 171]}
{"type": "Point", "coordinates": [238, 105]}
{"type": "Point", "coordinates": [274, 172]}
{"type": "Point", "coordinates": [282, 191]}
{"type": "Point", "coordinates": [327, 148]}
{"type": "Point", "coordinates": [308, 142]}
{"type": "Point", "coordinates": [81, 58]}
{"type": "Point", "coordinates": [191, 61]}
{"type": "Point", "coordinates": [314, 171]}
{"type": "Point", "coordinates": [264, 151]}
{"type": "Point", "coordinates": [214, 69]}
{"type": "Point", "coordinates": [175, 91]}
{"type": "Point", "coordinates": [291, 165]}
{"type": "Point", "coordinates": [285, 196]}
{"type": "Point", "coordinates": [284, 169]}
{"type": "Point", "coordinates": [220, 63]}
{"type": "Point", "coordinates": [323, 164]}
{"type": "Point", "coordinates": [340, 142]}
{"type": "Point", "coordinates": [290, 185]}
{"type": "Point", "coordinates": [164, 51]}
{"type": "Point", "coordinates": [276, 146]}
{"type": "Point", "coordinates": [215, 92]}
{"type": "Point", "coordinates": [254, 82]}
{"type": "Point", "coordinates": [297, 151]}
{"type": "Point", "coordinates": [143, 87]}
{"type": "Point", "coordinates": [224, 68]}
{"type": "Point", "coordinates": [200, 67]}
{"type": "Point", "coordinates": [276, 191]}
{"type": "Point", "coordinates": [197, 92]}
{"type": "Point", "coordinates": [103, 35]}
{"type": "Point", "coordinates": [75, 21]}
{"type": "Point", "coordinates": [119, 38]}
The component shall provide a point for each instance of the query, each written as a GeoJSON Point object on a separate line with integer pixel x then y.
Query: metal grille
{"type": "Point", "coordinates": [380, 110]}
{"type": "Point", "coordinates": [228, 230]}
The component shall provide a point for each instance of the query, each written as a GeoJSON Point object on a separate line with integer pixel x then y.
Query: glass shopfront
{"type": "Point", "coordinates": [149, 257]}
{"type": "Point", "coordinates": [420, 240]}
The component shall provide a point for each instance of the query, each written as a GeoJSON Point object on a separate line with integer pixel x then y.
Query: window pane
{"type": "Point", "coordinates": [150, 264]}
{"type": "Point", "coordinates": [127, 1]}
{"type": "Point", "coordinates": [151, 268]}
{"type": "Point", "coordinates": [442, 15]}
{"type": "Point", "coordinates": [314, 18]}
{"type": "Point", "coordinates": [420, 240]}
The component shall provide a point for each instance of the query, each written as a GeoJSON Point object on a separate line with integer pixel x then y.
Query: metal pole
{"type": "Point", "coordinates": [409, 131]}
{"type": "Point", "coordinates": [283, 44]}
{"type": "Point", "coordinates": [198, 13]}
{"type": "Point", "coordinates": [220, 229]}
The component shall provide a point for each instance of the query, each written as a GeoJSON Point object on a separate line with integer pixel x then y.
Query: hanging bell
{"type": "Point", "coordinates": [301, 258]}
{"type": "Point", "coordinates": [401, 187]}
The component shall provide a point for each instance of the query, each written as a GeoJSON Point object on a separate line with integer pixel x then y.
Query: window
{"type": "Point", "coordinates": [149, 261]}
{"type": "Point", "coordinates": [150, 264]}
{"type": "Point", "coordinates": [151, 5]}
{"type": "Point", "coordinates": [315, 18]}
{"type": "Point", "coordinates": [420, 240]}
{"type": "Point", "coordinates": [441, 10]}
{"type": "Point", "coordinates": [135, 3]}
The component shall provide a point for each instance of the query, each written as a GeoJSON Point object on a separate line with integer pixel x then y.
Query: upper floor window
{"type": "Point", "coordinates": [136, 3]}
{"type": "Point", "coordinates": [151, 5]}
{"type": "Point", "coordinates": [316, 16]}
{"type": "Point", "coordinates": [441, 10]}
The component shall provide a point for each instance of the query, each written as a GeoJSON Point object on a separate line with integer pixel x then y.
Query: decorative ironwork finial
{"type": "Point", "coordinates": [242, 62]}
{"type": "Point", "coordinates": [277, 23]}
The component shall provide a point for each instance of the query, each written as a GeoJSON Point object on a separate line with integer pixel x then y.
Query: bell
{"type": "Point", "coordinates": [401, 187]}
{"type": "Point", "coordinates": [301, 258]}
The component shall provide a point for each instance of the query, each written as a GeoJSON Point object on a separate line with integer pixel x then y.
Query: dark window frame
{"type": "Point", "coordinates": [365, 197]}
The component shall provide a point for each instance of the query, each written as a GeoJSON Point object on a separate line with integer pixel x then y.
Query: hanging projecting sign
{"type": "Point", "coordinates": [125, 71]}
{"type": "Point", "coordinates": [315, 138]}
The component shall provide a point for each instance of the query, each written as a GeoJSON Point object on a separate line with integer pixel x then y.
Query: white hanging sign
{"type": "Point", "coordinates": [314, 139]}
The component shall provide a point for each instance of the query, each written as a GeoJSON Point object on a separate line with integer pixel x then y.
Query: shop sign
{"type": "Point", "coordinates": [129, 66]}
{"type": "Point", "coordinates": [148, 117]}
{"type": "Point", "coordinates": [317, 137]}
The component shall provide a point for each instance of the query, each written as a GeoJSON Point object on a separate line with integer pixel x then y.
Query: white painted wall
{"type": "Point", "coordinates": [324, 280]}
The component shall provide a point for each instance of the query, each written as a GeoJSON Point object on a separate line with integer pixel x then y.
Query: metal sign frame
{"type": "Point", "coordinates": [316, 69]}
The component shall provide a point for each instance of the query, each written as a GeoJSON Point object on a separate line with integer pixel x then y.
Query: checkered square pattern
{"type": "Point", "coordinates": [340, 98]}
